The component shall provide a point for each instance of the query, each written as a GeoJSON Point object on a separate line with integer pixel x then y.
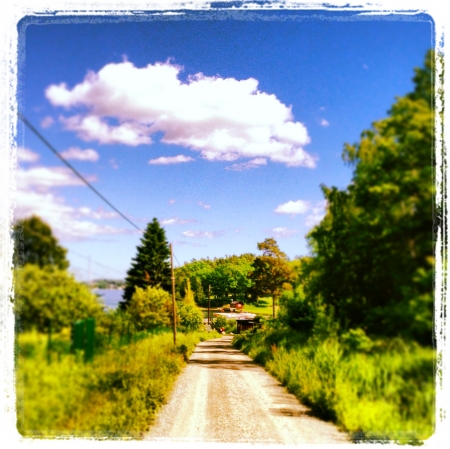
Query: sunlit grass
{"type": "Point", "coordinates": [115, 396]}
{"type": "Point", "coordinates": [385, 394]}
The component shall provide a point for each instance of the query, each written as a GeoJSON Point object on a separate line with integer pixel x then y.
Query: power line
{"type": "Point", "coordinates": [45, 141]}
{"type": "Point", "coordinates": [97, 263]}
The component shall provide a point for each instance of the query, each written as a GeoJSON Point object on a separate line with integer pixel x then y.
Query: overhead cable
{"type": "Point", "coordinates": [47, 143]}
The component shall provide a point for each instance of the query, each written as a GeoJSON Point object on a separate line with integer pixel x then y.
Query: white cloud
{"type": "Point", "coordinates": [221, 118]}
{"type": "Point", "coordinates": [113, 164]}
{"type": "Point", "coordinates": [171, 160]}
{"type": "Point", "coordinates": [201, 234]}
{"type": "Point", "coordinates": [172, 201]}
{"type": "Point", "coordinates": [205, 206]}
{"type": "Point", "coordinates": [292, 207]}
{"type": "Point", "coordinates": [47, 122]}
{"type": "Point", "coordinates": [175, 220]}
{"type": "Point", "coordinates": [66, 221]}
{"type": "Point", "coordinates": [254, 163]}
{"type": "Point", "coordinates": [34, 196]}
{"type": "Point", "coordinates": [283, 232]}
{"type": "Point", "coordinates": [317, 214]}
{"type": "Point", "coordinates": [81, 155]}
{"type": "Point", "coordinates": [26, 155]}
{"type": "Point", "coordinates": [44, 178]}
{"type": "Point", "coordinates": [324, 122]}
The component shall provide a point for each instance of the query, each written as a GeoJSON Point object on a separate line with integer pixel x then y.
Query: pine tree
{"type": "Point", "coordinates": [151, 265]}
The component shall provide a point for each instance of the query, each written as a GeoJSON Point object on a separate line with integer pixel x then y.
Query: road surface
{"type": "Point", "coordinates": [223, 396]}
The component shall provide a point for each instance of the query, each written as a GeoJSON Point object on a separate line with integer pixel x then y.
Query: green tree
{"type": "Point", "coordinates": [373, 250]}
{"type": "Point", "coordinates": [36, 244]}
{"type": "Point", "coordinates": [49, 293]}
{"type": "Point", "coordinates": [150, 308]}
{"type": "Point", "coordinates": [270, 271]}
{"type": "Point", "coordinates": [151, 265]}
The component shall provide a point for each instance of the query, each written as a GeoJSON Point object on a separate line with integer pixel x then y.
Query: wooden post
{"type": "Point", "coordinates": [174, 311]}
{"type": "Point", "coordinates": [209, 302]}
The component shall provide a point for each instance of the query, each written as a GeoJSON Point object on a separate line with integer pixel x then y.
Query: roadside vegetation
{"type": "Point", "coordinates": [353, 338]}
{"type": "Point", "coordinates": [116, 392]}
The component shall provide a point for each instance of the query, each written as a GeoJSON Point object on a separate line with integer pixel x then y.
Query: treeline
{"type": "Point", "coordinates": [354, 334]}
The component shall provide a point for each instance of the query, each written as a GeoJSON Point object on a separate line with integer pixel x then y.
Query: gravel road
{"type": "Point", "coordinates": [223, 396]}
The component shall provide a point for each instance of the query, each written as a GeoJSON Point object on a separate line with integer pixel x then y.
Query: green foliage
{"type": "Point", "coordinates": [297, 311]}
{"type": "Point", "coordinates": [117, 396]}
{"type": "Point", "coordinates": [376, 390]}
{"type": "Point", "coordinates": [51, 293]}
{"type": "Point", "coordinates": [36, 244]}
{"type": "Point", "coordinates": [227, 276]}
{"type": "Point", "coordinates": [373, 256]}
{"type": "Point", "coordinates": [189, 317]}
{"type": "Point", "coordinates": [270, 271]}
{"type": "Point", "coordinates": [219, 322]}
{"type": "Point", "coordinates": [151, 265]}
{"type": "Point", "coordinates": [150, 308]}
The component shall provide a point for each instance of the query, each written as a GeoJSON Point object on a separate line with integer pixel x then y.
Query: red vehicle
{"type": "Point", "coordinates": [234, 306]}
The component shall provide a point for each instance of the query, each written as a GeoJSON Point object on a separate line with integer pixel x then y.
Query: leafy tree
{"type": "Point", "coordinates": [270, 270]}
{"type": "Point", "coordinates": [150, 308]}
{"type": "Point", "coordinates": [51, 293]}
{"type": "Point", "coordinates": [36, 244]}
{"type": "Point", "coordinates": [373, 250]}
{"type": "Point", "coordinates": [151, 265]}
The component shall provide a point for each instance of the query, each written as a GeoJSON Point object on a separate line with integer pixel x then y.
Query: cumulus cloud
{"type": "Point", "coordinates": [221, 118]}
{"type": "Point", "coordinates": [324, 122]}
{"type": "Point", "coordinates": [201, 234]}
{"type": "Point", "coordinates": [254, 163]}
{"type": "Point", "coordinates": [44, 178]}
{"type": "Point", "coordinates": [26, 155]}
{"type": "Point", "coordinates": [317, 214]}
{"type": "Point", "coordinates": [293, 207]}
{"type": "Point", "coordinates": [67, 222]}
{"type": "Point", "coordinates": [47, 122]}
{"type": "Point", "coordinates": [34, 195]}
{"type": "Point", "coordinates": [163, 160]}
{"type": "Point", "coordinates": [283, 232]}
{"type": "Point", "coordinates": [175, 220]}
{"type": "Point", "coordinates": [81, 155]}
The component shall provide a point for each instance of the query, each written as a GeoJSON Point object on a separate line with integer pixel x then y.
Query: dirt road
{"type": "Point", "coordinates": [223, 396]}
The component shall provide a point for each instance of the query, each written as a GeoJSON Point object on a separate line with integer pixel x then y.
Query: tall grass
{"type": "Point", "coordinates": [382, 393]}
{"type": "Point", "coordinates": [115, 396]}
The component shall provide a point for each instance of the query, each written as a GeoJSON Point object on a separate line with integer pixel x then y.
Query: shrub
{"type": "Point", "coordinates": [150, 308]}
{"type": "Point", "coordinates": [49, 293]}
{"type": "Point", "coordinates": [189, 317]}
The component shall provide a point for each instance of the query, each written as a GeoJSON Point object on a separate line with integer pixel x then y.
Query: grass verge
{"type": "Point", "coordinates": [382, 394]}
{"type": "Point", "coordinates": [115, 396]}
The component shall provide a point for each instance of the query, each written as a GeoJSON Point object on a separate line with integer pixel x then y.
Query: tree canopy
{"type": "Point", "coordinates": [373, 251]}
{"type": "Point", "coordinates": [34, 243]}
{"type": "Point", "coordinates": [150, 266]}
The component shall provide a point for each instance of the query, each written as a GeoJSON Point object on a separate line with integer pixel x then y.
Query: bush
{"type": "Point", "coordinates": [49, 293]}
{"type": "Point", "coordinates": [189, 317]}
{"type": "Point", "coordinates": [150, 308]}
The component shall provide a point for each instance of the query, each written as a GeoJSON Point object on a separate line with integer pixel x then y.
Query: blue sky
{"type": "Point", "coordinates": [222, 127]}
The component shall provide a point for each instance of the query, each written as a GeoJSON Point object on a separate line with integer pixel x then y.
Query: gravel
{"type": "Point", "coordinates": [223, 396]}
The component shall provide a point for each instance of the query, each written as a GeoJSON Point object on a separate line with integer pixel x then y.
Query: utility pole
{"type": "Point", "coordinates": [273, 304]}
{"type": "Point", "coordinates": [173, 299]}
{"type": "Point", "coordinates": [209, 299]}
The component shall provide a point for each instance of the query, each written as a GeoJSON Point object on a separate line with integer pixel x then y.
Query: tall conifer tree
{"type": "Point", "coordinates": [151, 265]}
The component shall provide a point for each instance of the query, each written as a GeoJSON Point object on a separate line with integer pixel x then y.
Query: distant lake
{"type": "Point", "coordinates": [111, 297]}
